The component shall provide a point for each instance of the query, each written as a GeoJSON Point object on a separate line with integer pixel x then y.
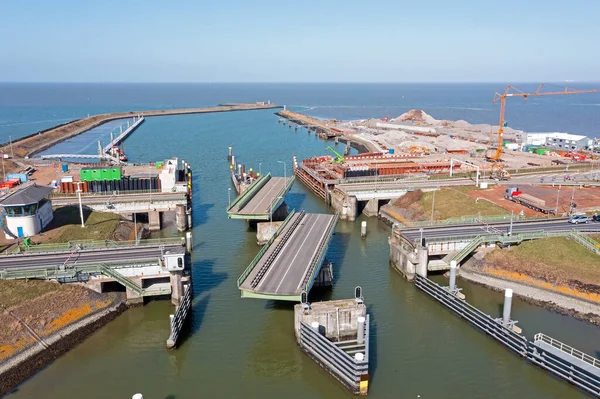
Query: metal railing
{"type": "Point", "coordinates": [540, 337]}
{"type": "Point", "coordinates": [585, 241]}
{"type": "Point", "coordinates": [95, 244]}
{"type": "Point", "coordinates": [252, 264]}
{"type": "Point", "coordinates": [282, 193]}
{"type": "Point", "coordinates": [247, 195]}
{"type": "Point", "coordinates": [311, 273]}
{"type": "Point", "coordinates": [472, 219]}
{"type": "Point", "coordinates": [177, 320]}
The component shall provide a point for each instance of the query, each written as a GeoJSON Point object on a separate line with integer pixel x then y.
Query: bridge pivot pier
{"type": "Point", "coordinates": [404, 257]}
{"type": "Point", "coordinates": [335, 334]}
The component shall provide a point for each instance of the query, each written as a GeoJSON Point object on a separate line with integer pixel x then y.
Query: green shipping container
{"type": "Point", "coordinates": [85, 175]}
{"type": "Point", "coordinates": [116, 173]}
{"type": "Point", "coordinates": [159, 164]}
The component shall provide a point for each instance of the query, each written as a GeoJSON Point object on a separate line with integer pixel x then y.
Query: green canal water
{"type": "Point", "coordinates": [243, 348]}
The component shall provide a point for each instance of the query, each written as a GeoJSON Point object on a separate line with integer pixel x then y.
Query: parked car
{"type": "Point", "coordinates": [579, 219]}
{"type": "Point", "coordinates": [596, 218]}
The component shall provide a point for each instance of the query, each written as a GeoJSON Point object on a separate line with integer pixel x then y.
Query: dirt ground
{"type": "Point", "coordinates": [558, 263]}
{"type": "Point", "coordinates": [44, 306]}
{"type": "Point", "coordinates": [45, 173]}
{"type": "Point", "coordinates": [586, 199]}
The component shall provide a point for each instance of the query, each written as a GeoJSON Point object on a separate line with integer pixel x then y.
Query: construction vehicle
{"type": "Point", "coordinates": [498, 172]}
{"type": "Point", "coordinates": [537, 204]}
{"type": "Point", "coordinates": [338, 158]}
{"type": "Point", "coordinates": [419, 149]}
{"type": "Point", "coordinates": [512, 91]}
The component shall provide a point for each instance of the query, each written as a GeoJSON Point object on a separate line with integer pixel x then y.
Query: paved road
{"type": "Point", "coordinates": [518, 227]}
{"type": "Point", "coordinates": [286, 274]}
{"type": "Point", "coordinates": [262, 200]}
{"type": "Point", "coordinates": [121, 198]}
{"type": "Point", "coordinates": [81, 257]}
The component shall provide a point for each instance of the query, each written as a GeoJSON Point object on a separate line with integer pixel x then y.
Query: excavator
{"type": "Point", "coordinates": [512, 91]}
{"type": "Point", "coordinates": [338, 158]}
{"type": "Point", "coordinates": [419, 149]}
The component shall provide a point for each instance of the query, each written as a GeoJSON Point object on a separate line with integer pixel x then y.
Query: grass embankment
{"type": "Point", "coordinates": [45, 307]}
{"type": "Point", "coordinates": [449, 203]}
{"type": "Point", "coordinates": [66, 225]}
{"type": "Point", "coordinates": [555, 263]}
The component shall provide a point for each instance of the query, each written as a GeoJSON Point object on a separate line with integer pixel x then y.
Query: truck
{"type": "Point", "coordinates": [537, 204]}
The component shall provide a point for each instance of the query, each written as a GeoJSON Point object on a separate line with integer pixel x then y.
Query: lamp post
{"type": "Point", "coordinates": [80, 205]}
{"type": "Point", "coordinates": [260, 168]}
{"type": "Point", "coordinates": [511, 224]}
{"type": "Point", "coordinates": [284, 169]}
{"type": "Point", "coordinates": [135, 227]}
{"type": "Point", "coordinates": [229, 196]}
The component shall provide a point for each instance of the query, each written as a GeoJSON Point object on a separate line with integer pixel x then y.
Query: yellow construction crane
{"type": "Point", "coordinates": [512, 91]}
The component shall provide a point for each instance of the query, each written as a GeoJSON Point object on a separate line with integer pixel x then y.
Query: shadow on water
{"type": "Point", "coordinates": [280, 305]}
{"type": "Point", "coordinates": [192, 326]}
{"type": "Point", "coordinates": [295, 200]}
{"type": "Point", "coordinates": [204, 278]}
{"type": "Point", "coordinates": [340, 241]}
{"type": "Point", "coordinates": [372, 344]}
{"type": "Point", "coordinates": [201, 212]}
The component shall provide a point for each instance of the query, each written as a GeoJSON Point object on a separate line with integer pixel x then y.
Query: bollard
{"type": "Point", "coordinates": [360, 330]}
{"type": "Point", "coordinates": [363, 229]}
{"type": "Point", "coordinates": [315, 326]}
{"type": "Point", "coordinates": [188, 241]}
{"type": "Point", "coordinates": [452, 275]}
{"type": "Point", "coordinates": [137, 396]}
{"type": "Point", "coordinates": [359, 357]}
{"type": "Point", "coordinates": [507, 305]}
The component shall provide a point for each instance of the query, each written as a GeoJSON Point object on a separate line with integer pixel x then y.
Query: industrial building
{"type": "Point", "coordinates": [560, 141]}
{"type": "Point", "coordinates": [28, 211]}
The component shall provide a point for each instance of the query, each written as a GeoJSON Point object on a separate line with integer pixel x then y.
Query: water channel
{"type": "Point", "coordinates": [246, 348]}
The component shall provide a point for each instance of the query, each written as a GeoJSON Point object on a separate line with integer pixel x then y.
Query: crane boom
{"type": "Point", "coordinates": [338, 158]}
{"type": "Point", "coordinates": [512, 91]}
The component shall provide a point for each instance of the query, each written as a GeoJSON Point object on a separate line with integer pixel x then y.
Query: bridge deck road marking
{"type": "Point", "coordinates": [265, 196]}
{"type": "Point", "coordinates": [297, 253]}
{"type": "Point", "coordinates": [314, 254]}
{"type": "Point", "coordinates": [264, 278]}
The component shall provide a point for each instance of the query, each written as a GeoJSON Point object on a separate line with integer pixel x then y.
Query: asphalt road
{"type": "Point", "coordinates": [102, 199]}
{"type": "Point", "coordinates": [286, 274]}
{"type": "Point", "coordinates": [262, 200]}
{"type": "Point", "coordinates": [518, 227]}
{"type": "Point", "coordinates": [81, 257]}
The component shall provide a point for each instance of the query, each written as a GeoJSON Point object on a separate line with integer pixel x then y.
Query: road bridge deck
{"type": "Point", "coordinates": [80, 257]}
{"type": "Point", "coordinates": [291, 261]}
{"type": "Point", "coordinates": [261, 199]}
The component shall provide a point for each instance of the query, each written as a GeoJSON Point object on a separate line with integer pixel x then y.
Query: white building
{"type": "Point", "coordinates": [561, 141]}
{"type": "Point", "coordinates": [28, 211]}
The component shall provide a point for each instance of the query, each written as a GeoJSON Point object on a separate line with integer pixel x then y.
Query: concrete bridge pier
{"type": "Point", "coordinates": [133, 298]}
{"type": "Point", "coordinates": [423, 260]}
{"type": "Point", "coordinates": [181, 218]}
{"type": "Point", "coordinates": [372, 208]}
{"type": "Point", "coordinates": [347, 207]}
{"type": "Point", "coordinates": [154, 220]}
{"type": "Point", "coordinates": [403, 257]}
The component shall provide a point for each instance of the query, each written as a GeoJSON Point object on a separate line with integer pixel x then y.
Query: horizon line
{"type": "Point", "coordinates": [299, 82]}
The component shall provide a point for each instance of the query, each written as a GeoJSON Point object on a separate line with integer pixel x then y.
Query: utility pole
{"type": "Point", "coordinates": [284, 169]}
{"type": "Point", "coordinates": [511, 224]}
{"type": "Point", "coordinates": [557, 195]}
{"type": "Point", "coordinates": [260, 168]}
{"type": "Point", "coordinates": [3, 170]}
{"type": "Point", "coordinates": [229, 196]}
{"type": "Point", "coordinates": [12, 154]}
{"type": "Point", "coordinates": [80, 205]}
{"type": "Point", "coordinates": [432, 205]}
{"type": "Point", "coordinates": [135, 227]}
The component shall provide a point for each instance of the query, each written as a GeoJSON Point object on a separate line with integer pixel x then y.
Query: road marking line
{"type": "Point", "coordinates": [297, 252]}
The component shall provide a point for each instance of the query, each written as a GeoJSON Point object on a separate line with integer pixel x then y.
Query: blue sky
{"type": "Point", "coordinates": [301, 41]}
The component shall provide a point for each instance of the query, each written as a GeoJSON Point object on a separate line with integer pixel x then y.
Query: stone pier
{"type": "Point", "coordinates": [404, 257]}
{"type": "Point", "coordinates": [154, 220]}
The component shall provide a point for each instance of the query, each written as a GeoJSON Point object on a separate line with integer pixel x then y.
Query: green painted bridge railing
{"type": "Point", "coordinates": [512, 239]}
{"type": "Point", "coordinates": [94, 244]}
{"type": "Point", "coordinates": [281, 193]}
{"type": "Point", "coordinates": [313, 269]}
{"type": "Point", "coordinates": [585, 241]}
{"type": "Point", "coordinates": [250, 192]}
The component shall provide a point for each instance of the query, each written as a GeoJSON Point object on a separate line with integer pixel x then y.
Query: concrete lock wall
{"type": "Point", "coordinates": [403, 257]}
{"type": "Point", "coordinates": [336, 322]}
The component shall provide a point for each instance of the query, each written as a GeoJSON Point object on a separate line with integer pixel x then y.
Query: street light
{"type": "Point", "coordinates": [80, 205]}
{"type": "Point", "coordinates": [511, 224]}
{"type": "Point", "coordinates": [260, 168]}
{"type": "Point", "coordinates": [284, 169]}
{"type": "Point", "coordinates": [229, 196]}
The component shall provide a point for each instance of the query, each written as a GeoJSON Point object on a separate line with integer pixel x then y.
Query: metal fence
{"type": "Point", "coordinates": [486, 323]}
{"type": "Point", "coordinates": [178, 319]}
{"type": "Point", "coordinates": [566, 363]}
{"type": "Point", "coordinates": [334, 360]}
{"type": "Point", "coordinates": [95, 244]}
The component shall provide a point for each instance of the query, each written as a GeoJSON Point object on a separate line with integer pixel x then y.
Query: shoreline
{"type": "Point", "coordinates": [21, 366]}
{"type": "Point", "coordinates": [39, 141]}
{"type": "Point", "coordinates": [548, 299]}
